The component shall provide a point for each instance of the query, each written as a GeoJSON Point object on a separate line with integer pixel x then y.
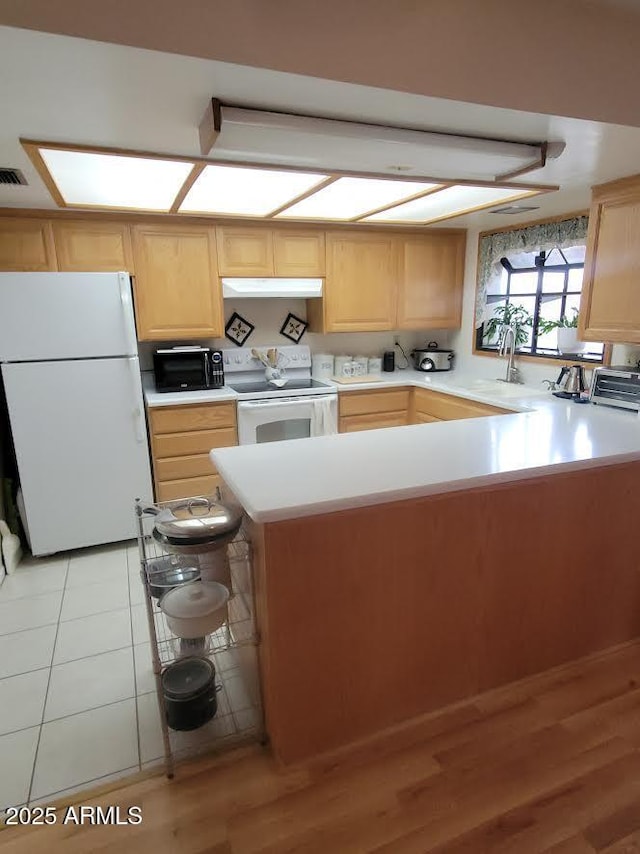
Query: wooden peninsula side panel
{"type": "Point", "coordinates": [372, 616]}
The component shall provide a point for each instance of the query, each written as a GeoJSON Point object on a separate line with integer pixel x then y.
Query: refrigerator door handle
{"type": "Point", "coordinates": [137, 412]}
{"type": "Point", "coordinates": [127, 310]}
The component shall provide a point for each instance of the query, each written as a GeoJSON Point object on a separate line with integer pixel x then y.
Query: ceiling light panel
{"type": "Point", "coordinates": [452, 201]}
{"type": "Point", "coordinates": [115, 181]}
{"type": "Point", "coordinates": [351, 197]}
{"type": "Point", "coordinates": [246, 192]}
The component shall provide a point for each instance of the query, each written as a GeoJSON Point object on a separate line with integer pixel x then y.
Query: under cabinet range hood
{"type": "Point", "coordinates": [255, 288]}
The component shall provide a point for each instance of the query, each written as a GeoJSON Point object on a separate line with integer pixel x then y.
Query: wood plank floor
{"type": "Point", "coordinates": [550, 764]}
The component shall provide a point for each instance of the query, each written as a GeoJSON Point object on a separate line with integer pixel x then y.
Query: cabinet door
{"type": "Point", "coordinates": [244, 251]}
{"type": "Point", "coordinates": [93, 246]}
{"type": "Point", "coordinates": [26, 245]}
{"type": "Point", "coordinates": [362, 282]}
{"type": "Point", "coordinates": [610, 304]}
{"type": "Point", "coordinates": [299, 253]}
{"type": "Point", "coordinates": [431, 282]}
{"type": "Point", "coordinates": [448, 407]}
{"type": "Point", "coordinates": [177, 290]}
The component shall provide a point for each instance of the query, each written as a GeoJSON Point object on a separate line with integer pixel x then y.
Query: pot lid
{"type": "Point", "coordinates": [187, 677]}
{"type": "Point", "coordinates": [198, 520]}
{"type": "Point", "coordinates": [196, 599]}
{"type": "Point", "coordinates": [432, 347]}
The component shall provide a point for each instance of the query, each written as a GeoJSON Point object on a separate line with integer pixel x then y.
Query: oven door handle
{"type": "Point", "coordinates": [288, 401]}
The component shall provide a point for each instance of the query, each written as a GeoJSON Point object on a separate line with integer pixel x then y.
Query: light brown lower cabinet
{"type": "Point", "coordinates": [181, 438]}
{"type": "Point", "coordinates": [424, 418]}
{"type": "Point", "coordinates": [435, 406]}
{"type": "Point", "coordinates": [373, 421]}
{"type": "Point", "coordinates": [369, 410]}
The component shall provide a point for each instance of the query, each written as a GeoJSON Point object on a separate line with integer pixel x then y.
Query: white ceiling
{"type": "Point", "coordinates": [62, 89]}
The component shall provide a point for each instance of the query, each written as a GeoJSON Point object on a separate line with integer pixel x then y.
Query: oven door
{"type": "Point", "coordinates": [286, 418]}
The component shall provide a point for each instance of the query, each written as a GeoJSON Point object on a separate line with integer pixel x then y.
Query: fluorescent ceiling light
{"type": "Point", "coordinates": [311, 142]}
{"type": "Point", "coordinates": [114, 180]}
{"type": "Point", "coordinates": [351, 197]}
{"type": "Point", "coordinates": [248, 192]}
{"type": "Point", "coordinates": [452, 201]}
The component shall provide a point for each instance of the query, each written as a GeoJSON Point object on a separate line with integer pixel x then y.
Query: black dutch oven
{"type": "Point", "coordinates": [189, 690]}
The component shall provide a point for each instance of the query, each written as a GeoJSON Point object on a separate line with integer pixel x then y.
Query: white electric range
{"type": "Point", "coordinates": [292, 405]}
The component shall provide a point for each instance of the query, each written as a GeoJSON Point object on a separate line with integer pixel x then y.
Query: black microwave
{"type": "Point", "coordinates": [188, 369]}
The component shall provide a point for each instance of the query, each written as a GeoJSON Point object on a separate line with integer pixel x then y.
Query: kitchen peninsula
{"type": "Point", "coordinates": [401, 570]}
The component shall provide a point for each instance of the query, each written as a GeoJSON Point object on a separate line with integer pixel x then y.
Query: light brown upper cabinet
{"type": "Point", "coordinates": [431, 281]}
{"type": "Point", "coordinates": [361, 284]}
{"type": "Point", "coordinates": [245, 251]}
{"type": "Point", "coordinates": [26, 245]}
{"type": "Point", "coordinates": [176, 286]}
{"type": "Point", "coordinates": [267, 252]}
{"type": "Point", "coordinates": [610, 304]}
{"type": "Point", "coordinates": [93, 246]}
{"type": "Point", "coordinates": [299, 253]}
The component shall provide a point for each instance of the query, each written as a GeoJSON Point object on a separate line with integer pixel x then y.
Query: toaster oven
{"type": "Point", "coordinates": [188, 369]}
{"type": "Point", "coordinates": [619, 386]}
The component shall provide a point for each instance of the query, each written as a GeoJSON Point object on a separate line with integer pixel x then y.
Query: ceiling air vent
{"type": "Point", "coordinates": [515, 209]}
{"type": "Point", "coordinates": [11, 176]}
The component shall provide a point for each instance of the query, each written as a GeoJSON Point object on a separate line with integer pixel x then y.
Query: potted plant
{"type": "Point", "coordinates": [567, 331]}
{"type": "Point", "coordinates": [512, 315]}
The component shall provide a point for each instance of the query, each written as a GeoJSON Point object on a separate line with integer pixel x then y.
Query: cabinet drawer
{"type": "Point", "coordinates": [363, 402]}
{"type": "Point", "coordinates": [446, 407]}
{"type": "Point", "coordinates": [186, 488]}
{"type": "Point", "coordinates": [423, 418]}
{"type": "Point", "coordinates": [177, 468]}
{"type": "Point", "coordinates": [194, 442]}
{"type": "Point", "coordinates": [176, 419]}
{"type": "Point", "coordinates": [373, 421]}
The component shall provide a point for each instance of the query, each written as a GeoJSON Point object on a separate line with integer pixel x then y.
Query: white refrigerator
{"type": "Point", "coordinates": [72, 382]}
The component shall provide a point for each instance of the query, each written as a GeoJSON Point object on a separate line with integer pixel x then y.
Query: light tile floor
{"type": "Point", "coordinates": [71, 713]}
{"type": "Point", "coordinates": [77, 691]}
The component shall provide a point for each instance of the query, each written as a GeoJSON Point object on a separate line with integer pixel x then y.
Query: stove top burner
{"type": "Point", "coordinates": [264, 386]}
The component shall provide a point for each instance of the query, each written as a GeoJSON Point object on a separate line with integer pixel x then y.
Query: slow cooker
{"type": "Point", "coordinates": [432, 358]}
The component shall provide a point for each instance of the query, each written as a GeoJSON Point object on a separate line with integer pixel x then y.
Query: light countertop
{"type": "Point", "coordinates": [445, 382]}
{"type": "Point", "coordinates": [181, 398]}
{"type": "Point", "coordinates": [289, 479]}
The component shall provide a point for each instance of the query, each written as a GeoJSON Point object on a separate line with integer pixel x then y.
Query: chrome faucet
{"type": "Point", "coordinates": [508, 350]}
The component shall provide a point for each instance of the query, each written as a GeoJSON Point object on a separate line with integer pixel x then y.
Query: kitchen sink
{"type": "Point", "coordinates": [497, 388]}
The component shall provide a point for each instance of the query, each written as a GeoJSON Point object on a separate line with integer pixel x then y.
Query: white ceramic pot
{"type": "Point", "coordinates": [568, 340]}
{"type": "Point", "coordinates": [195, 610]}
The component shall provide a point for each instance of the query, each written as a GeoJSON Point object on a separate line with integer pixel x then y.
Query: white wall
{"type": "Point", "coordinates": [268, 315]}
{"type": "Point", "coordinates": [491, 366]}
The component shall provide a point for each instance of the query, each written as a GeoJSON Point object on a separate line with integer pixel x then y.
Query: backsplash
{"type": "Point", "coordinates": [267, 315]}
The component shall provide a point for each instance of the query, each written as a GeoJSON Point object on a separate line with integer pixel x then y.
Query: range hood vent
{"type": "Point", "coordinates": [246, 288]}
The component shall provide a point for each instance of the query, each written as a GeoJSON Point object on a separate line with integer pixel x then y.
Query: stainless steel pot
{"type": "Point", "coordinates": [165, 578]}
{"type": "Point", "coordinates": [196, 526]}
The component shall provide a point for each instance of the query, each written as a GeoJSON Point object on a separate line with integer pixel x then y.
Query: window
{"type": "Point", "coordinates": [537, 291]}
